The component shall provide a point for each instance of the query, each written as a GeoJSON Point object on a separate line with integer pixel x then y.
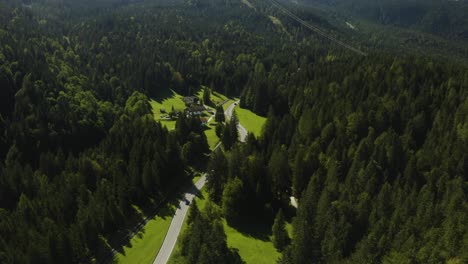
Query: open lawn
{"type": "Point", "coordinates": [216, 97]}
{"type": "Point", "coordinates": [144, 246]}
{"type": "Point", "coordinates": [211, 136]}
{"type": "Point", "coordinates": [227, 104]}
{"type": "Point", "coordinates": [251, 121]}
{"type": "Point", "coordinates": [167, 102]}
{"type": "Point", "coordinates": [248, 119]}
{"type": "Point", "coordinates": [252, 249]}
{"type": "Point", "coordinates": [173, 99]}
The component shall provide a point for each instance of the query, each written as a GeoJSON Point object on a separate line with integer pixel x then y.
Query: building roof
{"type": "Point", "coordinates": [196, 108]}
{"type": "Point", "coordinates": [190, 100]}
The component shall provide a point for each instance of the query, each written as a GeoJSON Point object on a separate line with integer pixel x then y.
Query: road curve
{"type": "Point", "coordinates": [177, 222]}
{"type": "Point", "coordinates": [242, 131]}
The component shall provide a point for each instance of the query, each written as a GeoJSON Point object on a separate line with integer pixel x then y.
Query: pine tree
{"type": "Point", "coordinates": [226, 138]}
{"type": "Point", "coordinates": [232, 200]}
{"type": "Point", "coordinates": [233, 132]}
{"type": "Point", "coordinates": [220, 117]}
{"type": "Point", "coordinates": [280, 235]}
{"type": "Point", "coordinates": [278, 169]}
{"type": "Point", "coordinates": [207, 96]}
{"type": "Point", "coordinates": [217, 175]}
{"type": "Point", "coordinates": [193, 213]}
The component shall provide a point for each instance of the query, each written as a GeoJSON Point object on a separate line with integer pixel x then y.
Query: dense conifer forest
{"type": "Point", "coordinates": [374, 148]}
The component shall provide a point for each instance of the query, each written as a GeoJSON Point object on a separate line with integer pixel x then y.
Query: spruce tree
{"type": "Point", "coordinates": [220, 117]}
{"type": "Point", "coordinates": [280, 235]}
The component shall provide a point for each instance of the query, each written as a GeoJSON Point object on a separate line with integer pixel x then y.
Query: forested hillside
{"type": "Point", "coordinates": [435, 27]}
{"type": "Point", "coordinates": [376, 151]}
{"type": "Point", "coordinates": [373, 147]}
{"type": "Point", "coordinates": [442, 17]}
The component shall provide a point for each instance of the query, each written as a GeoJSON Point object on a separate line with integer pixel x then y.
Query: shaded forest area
{"type": "Point", "coordinates": [376, 151]}
{"type": "Point", "coordinates": [375, 148]}
{"type": "Point", "coordinates": [444, 18]}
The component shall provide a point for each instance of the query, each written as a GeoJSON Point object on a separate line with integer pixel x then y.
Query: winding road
{"type": "Point", "coordinates": [177, 222]}
{"type": "Point", "coordinates": [242, 131]}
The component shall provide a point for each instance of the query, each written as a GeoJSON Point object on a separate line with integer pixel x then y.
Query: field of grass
{"type": "Point", "coordinates": [251, 121]}
{"type": "Point", "coordinates": [174, 99]}
{"type": "Point", "coordinates": [167, 102]}
{"type": "Point", "coordinates": [251, 249]}
{"type": "Point", "coordinates": [144, 246]}
{"type": "Point", "coordinates": [248, 119]}
{"type": "Point", "coordinates": [227, 104]}
{"type": "Point", "coordinates": [211, 136]}
{"type": "Point", "coordinates": [216, 97]}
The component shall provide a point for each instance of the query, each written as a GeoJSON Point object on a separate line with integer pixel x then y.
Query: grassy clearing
{"type": "Point", "coordinates": [251, 249]}
{"type": "Point", "coordinates": [251, 121]}
{"type": "Point", "coordinates": [211, 136]}
{"type": "Point", "coordinates": [227, 104]}
{"type": "Point", "coordinates": [173, 99]}
{"type": "Point", "coordinates": [216, 97]}
{"type": "Point", "coordinates": [144, 246]}
{"type": "Point", "coordinates": [248, 119]}
{"type": "Point", "coordinates": [167, 102]}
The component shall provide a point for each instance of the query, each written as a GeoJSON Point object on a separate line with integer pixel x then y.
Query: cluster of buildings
{"type": "Point", "coordinates": [193, 108]}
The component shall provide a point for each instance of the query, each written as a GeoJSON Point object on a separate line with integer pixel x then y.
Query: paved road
{"type": "Point", "coordinates": [177, 222]}
{"type": "Point", "coordinates": [240, 128]}
{"type": "Point", "coordinates": [176, 225]}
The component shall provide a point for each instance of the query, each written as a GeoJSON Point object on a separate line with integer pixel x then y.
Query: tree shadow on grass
{"type": "Point", "coordinates": [136, 227]}
{"type": "Point", "coordinates": [189, 189]}
{"type": "Point", "coordinates": [254, 226]}
{"type": "Point", "coordinates": [163, 94]}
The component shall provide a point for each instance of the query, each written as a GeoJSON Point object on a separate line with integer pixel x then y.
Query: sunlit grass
{"type": "Point", "coordinates": [145, 245]}
{"type": "Point", "coordinates": [251, 121]}
{"type": "Point", "coordinates": [173, 100]}
{"type": "Point", "coordinates": [252, 250]}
